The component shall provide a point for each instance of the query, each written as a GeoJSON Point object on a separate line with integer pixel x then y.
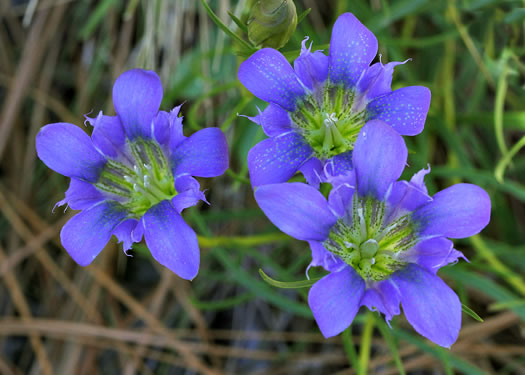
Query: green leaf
{"type": "Point", "coordinates": [303, 15]}
{"type": "Point", "coordinates": [287, 284]}
{"type": "Point", "coordinates": [238, 22]}
{"type": "Point", "coordinates": [467, 310]}
{"type": "Point", "coordinates": [95, 18]}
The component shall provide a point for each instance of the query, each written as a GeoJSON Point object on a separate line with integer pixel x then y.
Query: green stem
{"type": "Point", "coordinates": [499, 103]}
{"type": "Point", "coordinates": [225, 28]}
{"type": "Point", "coordinates": [366, 343]}
{"type": "Point", "coordinates": [350, 349]}
{"type": "Point", "coordinates": [510, 276]}
{"type": "Point", "coordinates": [244, 241]}
{"type": "Point", "coordinates": [507, 158]}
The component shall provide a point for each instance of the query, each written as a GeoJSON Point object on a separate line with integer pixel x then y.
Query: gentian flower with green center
{"type": "Point", "coordinates": [317, 109]}
{"type": "Point", "coordinates": [133, 177]}
{"type": "Point", "coordinates": [382, 240]}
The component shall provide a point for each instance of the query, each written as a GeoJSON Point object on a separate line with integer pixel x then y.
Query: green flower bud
{"type": "Point", "coordinates": [272, 23]}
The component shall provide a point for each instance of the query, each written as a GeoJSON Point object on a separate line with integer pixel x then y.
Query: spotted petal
{"type": "Point", "coordinates": [404, 109]}
{"type": "Point", "coordinates": [268, 75]}
{"type": "Point", "coordinates": [277, 159]}
{"type": "Point", "coordinates": [352, 49]}
{"type": "Point", "coordinates": [274, 120]}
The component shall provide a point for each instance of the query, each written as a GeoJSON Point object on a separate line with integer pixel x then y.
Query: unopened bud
{"type": "Point", "coordinates": [272, 23]}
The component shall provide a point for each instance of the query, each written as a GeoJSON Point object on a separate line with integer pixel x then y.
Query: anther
{"type": "Point", "coordinates": [349, 245]}
{"type": "Point", "coordinates": [330, 119]}
{"type": "Point", "coordinates": [128, 179]}
{"type": "Point", "coordinates": [136, 187]}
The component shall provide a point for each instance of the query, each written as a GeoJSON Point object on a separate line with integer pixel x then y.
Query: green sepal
{"type": "Point", "coordinates": [288, 284]}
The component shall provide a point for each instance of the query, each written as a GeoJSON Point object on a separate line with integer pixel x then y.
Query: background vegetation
{"type": "Point", "coordinates": [125, 315]}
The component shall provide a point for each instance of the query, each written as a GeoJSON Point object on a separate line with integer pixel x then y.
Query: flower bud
{"type": "Point", "coordinates": [272, 23]}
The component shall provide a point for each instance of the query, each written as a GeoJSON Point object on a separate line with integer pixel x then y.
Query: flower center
{"type": "Point", "coordinates": [140, 179]}
{"type": "Point", "coordinates": [369, 240]}
{"type": "Point", "coordinates": [330, 119]}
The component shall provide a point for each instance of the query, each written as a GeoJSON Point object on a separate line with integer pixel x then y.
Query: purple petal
{"type": "Point", "coordinates": [189, 193]}
{"type": "Point", "coordinates": [108, 134]}
{"type": "Point", "coordinates": [459, 211]}
{"type": "Point", "coordinates": [404, 195]}
{"type": "Point", "coordinates": [277, 159]}
{"type": "Point", "coordinates": [124, 233]}
{"type": "Point", "coordinates": [274, 120]}
{"type": "Point", "coordinates": [340, 197]}
{"type": "Point", "coordinates": [297, 209]}
{"type": "Point", "coordinates": [409, 196]}
{"type": "Point", "coordinates": [138, 232]}
{"type": "Point", "coordinates": [352, 49]}
{"type": "Point", "coordinates": [85, 234]}
{"type": "Point", "coordinates": [384, 298]}
{"type": "Point", "coordinates": [167, 128]}
{"type": "Point", "coordinates": [432, 254]}
{"type": "Point", "coordinates": [268, 75]}
{"type": "Point", "coordinates": [374, 302]}
{"type": "Point", "coordinates": [311, 68]}
{"type": "Point", "coordinates": [312, 170]}
{"type": "Point", "coordinates": [175, 121]}
{"type": "Point", "coordinates": [379, 158]}
{"type": "Point", "coordinates": [404, 109]}
{"type": "Point", "coordinates": [323, 258]}
{"type": "Point", "coordinates": [161, 127]}
{"type": "Point", "coordinates": [66, 149]}
{"type": "Point", "coordinates": [342, 163]}
{"type": "Point", "coordinates": [137, 95]}
{"type": "Point", "coordinates": [81, 195]}
{"type": "Point", "coordinates": [335, 300]}
{"type": "Point", "coordinates": [377, 80]}
{"type": "Point", "coordinates": [171, 241]}
{"type": "Point", "coordinates": [430, 306]}
{"type": "Point", "coordinates": [418, 179]}
{"type": "Point", "coordinates": [204, 154]}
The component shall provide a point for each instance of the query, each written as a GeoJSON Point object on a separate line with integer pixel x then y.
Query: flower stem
{"type": "Point", "coordinates": [225, 28]}
{"type": "Point", "coordinates": [242, 241]}
{"type": "Point", "coordinates": [366, 343]}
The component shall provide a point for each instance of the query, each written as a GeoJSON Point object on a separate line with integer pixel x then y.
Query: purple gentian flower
{"type": "Point", "coordinates": [317, 108]}
{"type": "Point", "coordinates": [382, 240]}
{"type": "Point", "coordinates": [133, 177]}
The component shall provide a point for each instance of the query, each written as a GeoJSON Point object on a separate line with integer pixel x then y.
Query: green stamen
{"type": "Point", "coordinates": [141, 185]}
{"type": "Point", "coordinates": [329, 120]}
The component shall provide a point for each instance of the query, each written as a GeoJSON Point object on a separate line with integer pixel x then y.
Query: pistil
{"type": "Point", "coordinates": [368, 242]}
